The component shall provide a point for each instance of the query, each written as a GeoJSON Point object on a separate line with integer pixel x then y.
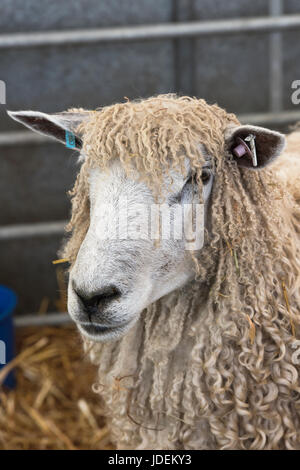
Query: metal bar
{"type": "Point", "coordinates": [275, 81]}
{"type": "Point", "coordinates": [23, 137]}
{"type": "Point", "coordinates": [42, 320]}
{"type": "Point", "coordinates": [32, 230]}
{"type": "Point", "coordinates": [27, 137]}
{"type": "Point", "coordinates": [271, 119]}
{"type": "Point", "coordinates": [151, 32]}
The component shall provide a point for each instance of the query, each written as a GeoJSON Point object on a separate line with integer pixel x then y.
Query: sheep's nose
{"type": "Point", "coordinates": [95, 304]}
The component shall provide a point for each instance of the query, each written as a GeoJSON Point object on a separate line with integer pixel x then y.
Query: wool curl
{"type": "Point", "coordinates": [214, 365]}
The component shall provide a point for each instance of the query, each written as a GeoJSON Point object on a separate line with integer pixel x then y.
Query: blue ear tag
{"type": "Point", "coordinates": [70, 140]}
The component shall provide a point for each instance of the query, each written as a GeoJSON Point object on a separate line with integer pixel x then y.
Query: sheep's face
{"type": "Point", "coordinates": [136, 250]}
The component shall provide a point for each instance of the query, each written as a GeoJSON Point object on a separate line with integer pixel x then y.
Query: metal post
{"type": "Point", "coordinates": [184, 50]}
{"type": "Point", "coordinates": [275, 81]}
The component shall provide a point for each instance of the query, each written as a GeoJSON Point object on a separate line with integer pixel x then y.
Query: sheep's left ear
{"type": "Point", "coordinates": [60, 126]}
{"type": "Point", "coordinates": [268, 145]}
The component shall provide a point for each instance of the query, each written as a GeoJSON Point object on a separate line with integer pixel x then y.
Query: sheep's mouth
{"type": "Point", "coordinates": [101, 332]}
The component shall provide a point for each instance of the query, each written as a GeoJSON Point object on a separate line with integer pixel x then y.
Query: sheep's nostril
{"type": "Point", "coordinates": [95, 303]}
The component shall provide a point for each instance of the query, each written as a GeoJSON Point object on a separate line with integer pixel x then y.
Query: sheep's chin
{"type": "Point", "coordinates": [109, 334]}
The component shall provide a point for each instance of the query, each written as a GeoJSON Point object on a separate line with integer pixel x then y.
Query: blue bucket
{"type": "Point", "coordinates": [8, 301]}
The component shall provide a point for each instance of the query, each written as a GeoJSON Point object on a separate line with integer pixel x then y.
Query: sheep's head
{"type": "Point", "coordinates": [146, 188]}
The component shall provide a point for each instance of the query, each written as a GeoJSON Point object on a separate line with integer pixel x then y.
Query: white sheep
{"type": "Point", "coordinates": [196, 344]}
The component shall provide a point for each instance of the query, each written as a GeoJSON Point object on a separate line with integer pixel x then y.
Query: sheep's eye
{"type": "Point", "coordinates": [189, 180]}
{"type": "Point", "coordinates": [205, 175]}
{"type": "Point", "coordinates": [177, 197]}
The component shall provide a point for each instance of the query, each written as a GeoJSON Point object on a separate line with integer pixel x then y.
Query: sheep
{"type": "Point", "coordinates": [196, 349]}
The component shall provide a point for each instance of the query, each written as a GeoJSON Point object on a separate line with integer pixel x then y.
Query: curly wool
{"type": "Point", "coordinates": [214, 365]}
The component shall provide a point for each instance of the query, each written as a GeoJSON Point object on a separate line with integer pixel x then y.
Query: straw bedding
{"type": "Point", "coordinates": [53, 406]}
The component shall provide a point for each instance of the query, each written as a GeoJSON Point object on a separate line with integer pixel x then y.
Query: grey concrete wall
{"type": "Point", "coordinates": [35, 15]}
{"type": "Point", "coordinates": [229, 70]}
{"type": "Point", "coordinates": [34, 179]}
{"type": "Point", "coordinates": [26, 267]}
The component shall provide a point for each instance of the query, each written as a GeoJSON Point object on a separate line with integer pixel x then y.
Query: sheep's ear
{"type": "Point", "coordinates": [268, 145]}
{"type": "Point", "coordinates": [61, 126]}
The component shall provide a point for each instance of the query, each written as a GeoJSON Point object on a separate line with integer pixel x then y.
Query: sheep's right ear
{"type": "Point", "coordinates": [60, 126]}
{"type": "Point", "coordinates": [268, 145]}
